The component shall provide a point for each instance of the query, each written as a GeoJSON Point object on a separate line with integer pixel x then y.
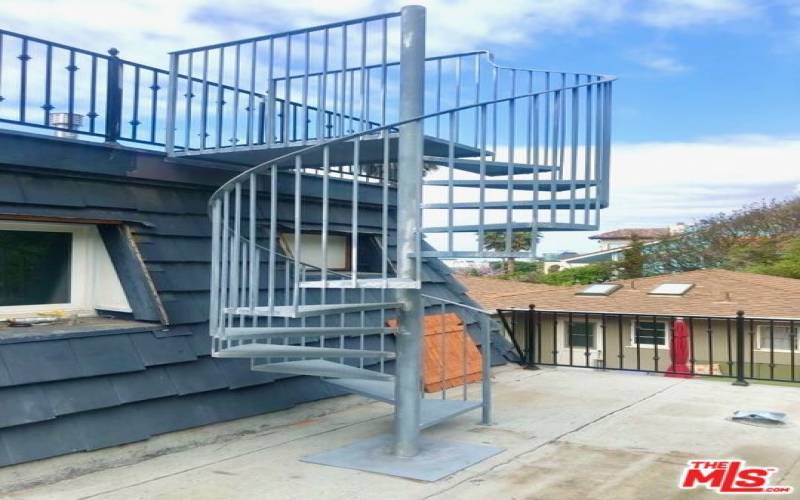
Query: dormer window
{"type": "Point", "coordinates": [50, 268]}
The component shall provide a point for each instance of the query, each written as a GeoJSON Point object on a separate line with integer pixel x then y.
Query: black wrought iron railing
{"type": "Point", "coordinates": [744, 347]}
{"type": "Point", "coordinates": [72, 92]}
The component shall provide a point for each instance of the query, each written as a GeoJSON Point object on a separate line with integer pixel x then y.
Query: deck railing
{"type": "Point", "coordinates": [739, 346]}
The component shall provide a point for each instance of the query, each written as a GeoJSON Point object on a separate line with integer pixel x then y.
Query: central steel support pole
{"type": "Point", "coordinates": [409, 193]}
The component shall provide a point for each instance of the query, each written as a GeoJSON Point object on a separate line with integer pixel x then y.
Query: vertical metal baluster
{"type": "Point", "coordinates": [204, 104]}
{"type": "Point", "coordinates": [603, 331]}
{"type": "Point", "coordinates": [321, 126]}
{"type": "Point", "coordinates": [251, 95]}
{"type": "Point", "coordinates": [48, 80]}
{"type": "Point", "coordinates": [573, 174]}
{"type": "Point", "coordinates": [72, 68]}
{"type": "Point", "coordinates": [92, 96]}
{"type": "Point", "coordinates": [482, 182]}
{"type": "Point", "coordinates": [385, 213]}
{"type": "Point", "coordinates": [443, 348]}
{"type": "Point", "coordinates": [237, 237]}
{"type": "Point", "coordinates": [563, 139]}
{"type": "Point", "coordinates": [253, 214]}
{"type": "Point", "coordinates": [752, 349]}
{"type": "Point", "coordinates": [384, 45]}
{"type": "Point", "coordinates": [226, 242]}
{"type": "Point", "coordinates": [243, 284]}
{"type": "Point", "coordinates": [477, 75]}
{"type": "Point", "coordinates": [287, 92]}
{"type": "Point", "coordinates": [464, 365]}
{"type": "Point", "coordinates": [220, 96]}
{"type": "Point", "coordinates": [730, 346]}
{"type": "Point", "coordinates": [188, 101]}
{"type": "Point", "coordinates": [307, 63]}
{"type": "Point", "coordinates": [691, 344]}
{"type": "Point", "coordinates": [154, 107]}
{"type": "Point", "coordinates": [546, 128]}
{"type": "Point", "coordinates": [637, 338]}
{"type": "Point", "coordinates": [23, 79]}
{"type": "Point", "coordinates": [363, 75]}
{"type": "Point", "coordinates": [213, 310]}
{"type": "Point", "coordinates": [325, 213]}
{"type": "Point", "coordinates": [495, 78]}
{"type": "Point", "coordinates": [273, 236]}
{"type": "Point", "coordinates": [792, 347]}
{"type": "Point", "coordinates": [362, 321]}
{"type": "Point", "coordinates": [621, 355]}
{"type": "Point", "coordinates": [135, 104]}
{"type": "Point", "coordinates": [438, 94]}
{"type": "Point", "coordinates": [709, 331]}
{"type": "Point", "coordinates": [344, 81]}
{"type": "Point", "coordinates": [236, 89]}
{"type": "Point", "coordinates": [354, 214]}
{"type": "Point", "coordinates": [655, 342]}
{"type": "Point", "coordinates": [771, 350]}
{"type": "Point", "coordinates": [569, 337]}
{"type": "Point", "coordinates": [271, 88]}
{"type": "Point", "coordinates": [298, 213]}
{"type": "Point", "coordinates": [450, 186]}
{"type": "Point", "coordinates": [555, 339]}
{"type": "Point", "coordinates": [351, 100]}
{"type": "Point", "coordinates": [586, 338]}
{"type": "Point", "coordinates": [587, 175]}
{"type": "Point", "coordinates": [510, 170]}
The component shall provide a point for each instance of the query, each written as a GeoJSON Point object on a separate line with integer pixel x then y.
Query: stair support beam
{"type": "Point", "coordinates": [409, 189]}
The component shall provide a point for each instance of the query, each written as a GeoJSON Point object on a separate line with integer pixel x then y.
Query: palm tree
{"type": "Point", "coordinates": [520, 242]}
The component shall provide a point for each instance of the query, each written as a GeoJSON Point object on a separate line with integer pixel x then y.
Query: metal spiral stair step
{"type": "Point", "coordinates": [244, 333]}
{"type": "Point", "coordinates": [516, 184]}
{"type": "Point", "coordinates": [432, 411]}
{"type": "Point", "coordinates": [321, 368]}
{"type": "Point", "coordinates": [516, 204]}
{"type": "Point", "coordinates": [310, 310]}
{"type": "Point", "coordinates": [515, 226]}
{"type": "Point", "coordinates": [277, 350]}
{"type": "Point", "coordinates": [490, 167]}
{"type": "Point", "coordinates": [388, 283]}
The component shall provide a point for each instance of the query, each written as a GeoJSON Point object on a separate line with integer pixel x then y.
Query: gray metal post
{"type": "Point", "coordinates": [409, 178]}
{"type": "Point", "coordinates": [486, 358]}
{"type": "Point", "coordinates": [172, 103]}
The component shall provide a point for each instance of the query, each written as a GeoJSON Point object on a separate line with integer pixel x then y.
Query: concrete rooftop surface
{"type": "Point", "coordinates": [567, 433]}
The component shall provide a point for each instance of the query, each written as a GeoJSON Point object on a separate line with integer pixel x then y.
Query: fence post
{"type": "Point", "coordinates": [486, 353]}
{"type": "Point", "coordinates": [530, 339]}
{"type": "Point", "coordinates": [740, 349]}
{"type": "Point", "coordinates": [113, 97]}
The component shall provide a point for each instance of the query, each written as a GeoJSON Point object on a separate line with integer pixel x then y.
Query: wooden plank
{"type": "Point", "coordinates": [443, 353]}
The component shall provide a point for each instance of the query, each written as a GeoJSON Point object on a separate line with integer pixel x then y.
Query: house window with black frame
{"type": "Point", "coordinates": [649, 333]}
{"type": "Point", "coordinates": [782, 338]}
{"type": "Point", "coordinates": [581, 334]}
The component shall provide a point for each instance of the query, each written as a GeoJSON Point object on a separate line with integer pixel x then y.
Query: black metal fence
{"type": "Point", "coordinates": [47, 85]}
{"type": "Point", "coordinates": [740, 346]}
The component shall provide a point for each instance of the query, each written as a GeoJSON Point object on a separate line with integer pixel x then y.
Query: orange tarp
{"type": "Point", "coordinates": [443, 353]}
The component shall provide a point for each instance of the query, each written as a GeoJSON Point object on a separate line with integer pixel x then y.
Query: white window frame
{"type": "Point", "coordinates": [563, 326]}
{"type": "Point", "coordinates": [94, 283]}
{"type": "Point", "coordinates": [765, 329]}
{"type": "Point", "coordinates": [667, 335]}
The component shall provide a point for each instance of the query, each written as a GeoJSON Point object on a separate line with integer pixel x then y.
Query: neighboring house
{"type": "Point", "coordinates": [612, 246]}
{"type": "Point", "coordinates": [605, 321]}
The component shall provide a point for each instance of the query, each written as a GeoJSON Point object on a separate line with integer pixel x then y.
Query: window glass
{"type": "Point", "coordinates": [781, 337]}
{"type": "Point", "coordinates": [35, 267]}
{"type": "Point", "coordinates": [648, 333]}
{"type": "Point", "coordinates": [580, 334]}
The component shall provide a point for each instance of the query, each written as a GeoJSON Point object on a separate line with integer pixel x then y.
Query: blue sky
{"type": "Point", "coordinates": [707, 106]}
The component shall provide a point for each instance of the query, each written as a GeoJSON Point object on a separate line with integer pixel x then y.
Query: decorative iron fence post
{"type": "Point", "coordinates": [740, 349]}
{"type": "Point", "coordinates": [409, 179]}
{"type": "Point", "coordinates": [530, 339]}
{"type": "Point", "coordinates": [113, 97]}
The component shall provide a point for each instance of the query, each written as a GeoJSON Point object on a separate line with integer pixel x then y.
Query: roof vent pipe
{"type": "Point", "coordinates": [66, 123]}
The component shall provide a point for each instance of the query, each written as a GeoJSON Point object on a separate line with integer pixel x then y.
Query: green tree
{"type": "Point", "coordinates": [584, 275]}
{"type": "Point", "coordinates": [787, 264]}
{"type": "Point", "coordinates": [520, 242]}
{"type": "Point", "coordinates": [633, 260]}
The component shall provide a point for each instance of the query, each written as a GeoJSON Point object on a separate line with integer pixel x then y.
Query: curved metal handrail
{"type": "Point", "coordinates": [228, 185]}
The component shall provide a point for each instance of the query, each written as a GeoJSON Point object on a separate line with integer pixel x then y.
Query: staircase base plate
{"type": "Point", "coordinates": [437, 459]}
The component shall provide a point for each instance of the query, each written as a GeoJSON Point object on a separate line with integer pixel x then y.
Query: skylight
{"type": "Point", "coordinates": [601, 289]}
{"type": "Point", "coordinates": [671, 289]}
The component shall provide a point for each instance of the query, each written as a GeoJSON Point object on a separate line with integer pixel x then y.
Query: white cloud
{"type": "Point", "coordinates": [656, 184]}
{"type": "Point", "coordinates": [683, 13]}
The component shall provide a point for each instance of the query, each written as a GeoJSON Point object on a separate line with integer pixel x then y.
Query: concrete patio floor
{"type": "Point", "coordinates": [568, 433]}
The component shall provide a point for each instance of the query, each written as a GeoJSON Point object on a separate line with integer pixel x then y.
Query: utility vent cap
{"type": "Point", "coordinates": [601, 289]}
{"type": "Point", "coordinates": [759, 417]}
{"type": "Point", "coordinates": [671, 289]}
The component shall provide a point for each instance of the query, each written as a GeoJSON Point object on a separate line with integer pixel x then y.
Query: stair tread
{"type": "Point", "coordinates": [363, 283]}
{"type": "Point", "coordinates": [263, 350]}
{"type": "Point", "coordinates": [310, 310]}
{"type": "Point", "coordinates": [308, 331]}
{"type": "Point", "coordinates": [432, 411]}
{"type": "Point", "coordinates": [492, 168]}
{"type": "Point", "coordinates": [516, 184]}
{"type": "Point", "coordinates": [322, 368]}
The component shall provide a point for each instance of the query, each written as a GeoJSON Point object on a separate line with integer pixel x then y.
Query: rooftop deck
{"type": "Point", "coordinates": [567, 434]}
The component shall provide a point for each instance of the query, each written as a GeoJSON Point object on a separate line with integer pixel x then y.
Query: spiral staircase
{"type": "Point", "coordinates": [346, 128]}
